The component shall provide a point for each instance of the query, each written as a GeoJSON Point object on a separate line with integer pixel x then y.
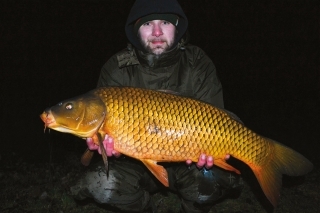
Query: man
{"type": "Point", "coordinates": [158, 58]}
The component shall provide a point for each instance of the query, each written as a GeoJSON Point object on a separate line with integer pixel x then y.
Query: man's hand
{"type": "Point", "coordinates": [108, 146]}
{"type": "Point", "coordinates": [205, 161]}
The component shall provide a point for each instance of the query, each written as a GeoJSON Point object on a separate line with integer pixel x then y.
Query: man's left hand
{"type": "Point", "coordinates": [205, 161]}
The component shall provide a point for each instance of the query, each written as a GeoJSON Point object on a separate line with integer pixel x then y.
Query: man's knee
{"type": "Point", "coordinates": [117, 189]}
{"type": "Point", "coordinates": [205, 186]}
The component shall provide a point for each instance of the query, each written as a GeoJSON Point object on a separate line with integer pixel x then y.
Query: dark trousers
{"type": "Point", "coordinates": [129, 185]}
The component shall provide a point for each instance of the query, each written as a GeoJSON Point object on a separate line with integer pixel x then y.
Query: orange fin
{"type": "Point", "coordinates": [282, 160]}
{"type": "Point", "coordinates": [86, 157]}
{"type": "Point", "coordinates": [223, 164]}
{"type": "Point", "coordinates": [103, 152]}
{"type": "Point", "coordinates": [158, 171]}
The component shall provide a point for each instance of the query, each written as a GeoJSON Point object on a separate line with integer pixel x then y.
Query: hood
{"type": "Point", "coordinates": [142, 8]}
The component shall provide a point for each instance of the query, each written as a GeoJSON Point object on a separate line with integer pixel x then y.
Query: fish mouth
{"type": "Point", "coordinates": [48, 119]}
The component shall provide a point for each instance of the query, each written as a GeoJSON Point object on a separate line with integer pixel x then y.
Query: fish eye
{"type": "Point", "coordinates": [59, 104]}
{"type": "Point", "coordinates": [69, 106]}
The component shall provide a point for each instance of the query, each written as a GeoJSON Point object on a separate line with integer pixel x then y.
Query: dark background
{"type": "Point", "coordinates": [266, 54]}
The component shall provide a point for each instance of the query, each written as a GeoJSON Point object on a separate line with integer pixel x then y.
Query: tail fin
{"type": "Point", "coordinates": [283, 160]}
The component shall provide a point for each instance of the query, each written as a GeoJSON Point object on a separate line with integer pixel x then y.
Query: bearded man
{"type": "Point", "coordinates": [159, 58]}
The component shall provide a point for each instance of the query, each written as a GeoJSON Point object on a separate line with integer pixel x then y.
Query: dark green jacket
{"type": "Point", "coordinates": [188, 71]}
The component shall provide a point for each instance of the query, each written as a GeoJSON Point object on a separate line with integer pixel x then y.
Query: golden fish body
{"type": "Point", "coordinates": [146, 124]}
{"type": "Point", "coordinates": [154, 126]}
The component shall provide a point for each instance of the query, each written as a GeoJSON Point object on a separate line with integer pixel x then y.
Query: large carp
{"type": "Point", "coordinates": [154, 126]}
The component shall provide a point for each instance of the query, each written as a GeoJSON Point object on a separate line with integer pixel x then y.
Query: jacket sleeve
{"type": "Point", "coordinates": [207, 86]}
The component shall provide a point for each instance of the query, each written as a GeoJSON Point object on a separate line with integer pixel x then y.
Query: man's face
{"type": "Point", "coordinates": [157, 36]}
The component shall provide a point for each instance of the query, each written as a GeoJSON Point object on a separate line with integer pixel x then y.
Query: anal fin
{"type": "Point", "coordinates": [223, 164]}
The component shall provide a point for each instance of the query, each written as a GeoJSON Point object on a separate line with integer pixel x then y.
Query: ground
{"type": "Point", "coordinates": [44, 187]}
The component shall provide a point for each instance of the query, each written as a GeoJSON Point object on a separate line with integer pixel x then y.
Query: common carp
{"type": "Point", "coordinates": [154, 126]}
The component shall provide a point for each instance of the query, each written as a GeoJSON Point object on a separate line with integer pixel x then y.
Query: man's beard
{"type": "Point", "coordinates": [157, 49]}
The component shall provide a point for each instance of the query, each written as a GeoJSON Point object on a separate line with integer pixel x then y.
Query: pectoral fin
{"type": "Point", "coordinates": [86, 157]}
{"type": "Point", "coordinates": [158, 171]}
{"type": "Point", "coordinates": [223, 164]}
{"type": "Point", "coordinates": [103, 152]}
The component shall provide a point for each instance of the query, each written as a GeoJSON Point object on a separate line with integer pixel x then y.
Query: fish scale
{"type": "Point", "coordinates": [154, 126]}
{"type": "Point", "coordinates": [194, 112]}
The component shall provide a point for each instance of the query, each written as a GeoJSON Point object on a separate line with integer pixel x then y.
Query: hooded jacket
{"type": "Point", "coordinates": [143, 8]}
{"type": "Point", "coordinates": [185, 69]}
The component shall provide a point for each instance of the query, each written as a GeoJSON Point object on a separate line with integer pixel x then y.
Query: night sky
{"type": "Point", "coordinates": [266, 54]}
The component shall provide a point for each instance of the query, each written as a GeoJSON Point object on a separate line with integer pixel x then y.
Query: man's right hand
{"type": "Point", "coordinates": [108, 146]}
